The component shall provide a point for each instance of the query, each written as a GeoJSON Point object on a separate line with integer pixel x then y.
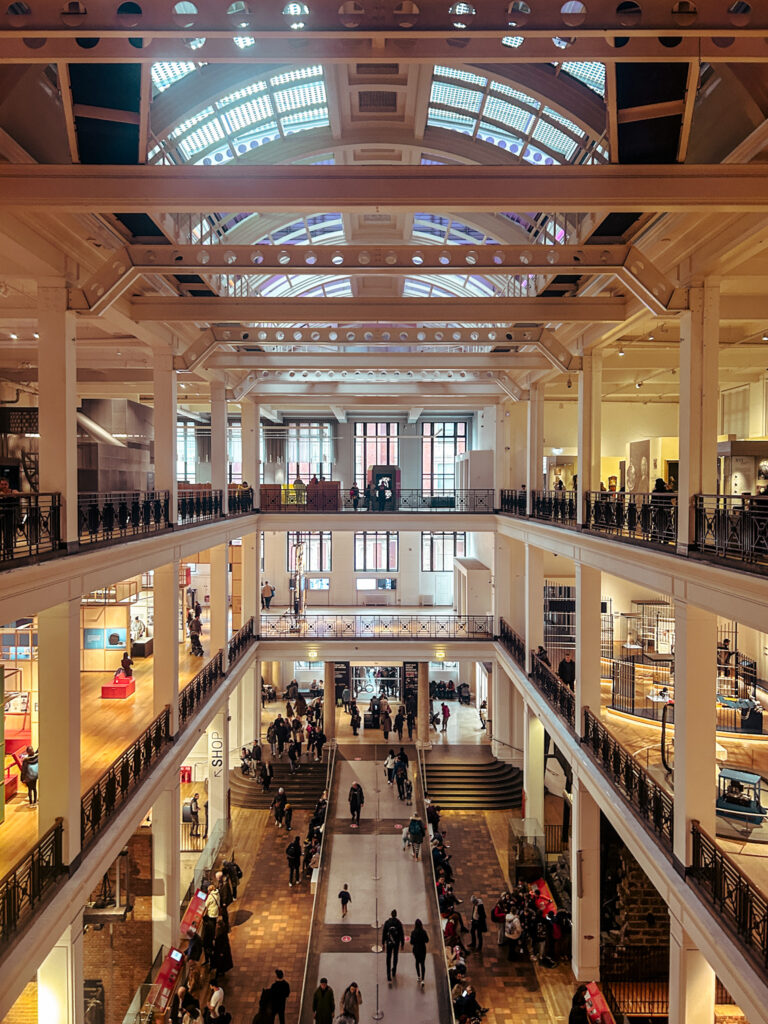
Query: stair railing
{"type": "Point", "coordinates": [518, 758]}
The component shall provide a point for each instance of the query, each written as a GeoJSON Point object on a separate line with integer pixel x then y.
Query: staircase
{"type": "Point", "coordinates": [303, 789]}
{"type": "Point", "coordinates": [490, 785]}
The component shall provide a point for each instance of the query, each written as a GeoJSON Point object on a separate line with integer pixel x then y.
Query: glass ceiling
{"type": "Point", "coordinates": [497, 113]}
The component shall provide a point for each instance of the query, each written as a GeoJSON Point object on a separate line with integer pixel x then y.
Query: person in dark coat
{"type": "Point", "coordinates": [356, 801]}
{"type": "Point", "coordinates": [578, 1014]}
{"type": "Point", "coordinates": [393, 940]}
{"type": "Point", "coordinates": [567, 670]}
{"type": "Point", "coordinates": [279, 991]}
{"type": "Point", "coordinates": [478, 925]}
{"type": "Point", "coordinates": [293, 856]}
{"type": "Point", "coordinates": [221, 959]}
{"type": "Point", "coordinates": [419, 940]}
{"type": "Point", "coordinates": [323, 1003]}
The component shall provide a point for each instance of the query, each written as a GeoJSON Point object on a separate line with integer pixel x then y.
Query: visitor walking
{"type": "Point", "coordinates": [345, 898]}
{"type": "Point", "coordinates": [293, 856]}
{"type": "Point", "coordinates": [393, 940]}
{"type": "Point", "coordinates": [419, 940]}
{"type": "Point", "coordinates": [323, 1003]}
{"type": "Point", "coordinates": [356, 801]}
{"type": "Point", "coordinates": [350, 1002]}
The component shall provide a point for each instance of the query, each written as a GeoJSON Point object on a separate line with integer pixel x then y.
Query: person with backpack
{"type": "Point", "coordinates": [416, 833]}
{"type": "Point", "coordinates": [393, 940]}
{"type": "Point", "coordinates": [355, 719]}
{"type": "Point", "coordinates": [478, 924]}
{"type": "Point", "coordinates": [29, 774]}
{"type": "Point", "coordinates": [356, 801]}
{"type": "Point", "coordinates": [419, 940]}
{"type": "Point", "coordinates": [389, 767]}
{"type": "Point", "coordinates": [278, 806]}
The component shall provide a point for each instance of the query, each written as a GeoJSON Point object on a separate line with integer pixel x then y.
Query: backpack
{"type": "Point", "coordinates": [391, 938]}
{"type": "Point", "coordinates": [416, 831]}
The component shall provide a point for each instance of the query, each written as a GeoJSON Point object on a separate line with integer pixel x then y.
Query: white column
{"type": "Point", "coordinates": [60, 978]}
{"type": "Point", "coordinates": [535, 450]}
{"type": "Point", "coordinates": [502, 579]}
{"type": "Point", "coordinates": [533, 770]}
{"type": "Point", "coordinates": [250, 596]}
{"type": "Point", "coordinates": [699, 397]}
{"type": "Point", "coordinates": [250, 417]}
{"type": "Point", "coordinates": [165, 428]}
{"type": "Point", "coordinates": [218, 769]}
{"type": "Point", "coordinates": [165, 662]}
{"type": "Point", "coordinates": [517, 714]}
{"type": "Point", "coordinates": [691, 979]}
{"type": "Point", "coordinates": [219, 465]}
{"type": "Point", "coordinates": [501, 742]}
{"type": "Point", "coordinates": [695, 723]}
{"type": "Point", "coordinates": [57, 404]}
{"type": "Point", "coordinates": [329, 702]}
{"type": "Point", "coordinates": [590, 398]}
{"type": "Point", "coordinates": [534, 597]}
{"type": "Point", "coordinates": [422, 707]}
{"type": "Point", "coordinates": [58, 669]}
{"type": "Point", "coordinates": [250, 705]}
{"type": "Point", "coordinates": [585, 884]}
{"type": "Point", "coordinates": [219, 597]}
{"type": "Point", "coordinates": [166, 866]}
{"type": "Point", "coordinates": [588, 602]}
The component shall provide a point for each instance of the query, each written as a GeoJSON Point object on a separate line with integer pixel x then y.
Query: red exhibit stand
{"type": "Point", "coordinates": [193, 915]}
{"type": "Point", "coordinates": [543, 896]}
{"type": "Point", "coordinates": [11, 784]}
{"type": "Point", "coordinates": [159, 998]}
{"type": "Point", "coordinates": [597, 1008]}
{"type": "Point", "coordinates": [120, 688]}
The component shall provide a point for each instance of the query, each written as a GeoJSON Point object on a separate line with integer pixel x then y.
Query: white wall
{"type": "Point", "coordinates": [622, 422]}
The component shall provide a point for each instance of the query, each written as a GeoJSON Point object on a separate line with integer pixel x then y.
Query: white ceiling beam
{"type": "Point", "coordinates": [155, 188]}
{"type": "Point", "coordinates": [339, 413]}
{"type": "Point", "coordinates": [300, 361]}
{"type": "Point", "coordinates": [415, 413]}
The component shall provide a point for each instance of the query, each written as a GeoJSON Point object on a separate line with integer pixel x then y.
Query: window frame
{"type": "Point", "coordinates": [429, 553]}
{"type": "Point", "coordinates": [377, 551]}
{"type": "Point", "coordinates": [319, 550]}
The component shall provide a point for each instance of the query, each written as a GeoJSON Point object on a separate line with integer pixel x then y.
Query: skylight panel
{"type": "Point", "coordinates": [167, 73]}
{"type": "Point", "coordinates": [460, 75]}
{"type": "Point", "coordinates": [589, 73]}
{"type": "Point", "coordinates": [515, 94]}
{"type": "Point", "coordinates": [554, 139]}
{"type": "Point", "coordinates": [508, 114]}
{"type": "Point", "coordinates": [244, 42]}
{"type": "Point", "coordinates": [456, 96]}
{"type": "Point", "coordinates": [252, 112]}
{"type": "Point", "coordinates": [303, 120]}
{"type": "Point", "coordinates": [451, 120]}
{"type": "Point", "coordinates": [201, 138]}
{"type": "Point", "coordinates": [299, 96]}
{"type": "Point", "coordinates": [296, 75]}
{"type": "Point", "coordinates": [566, 122]}
{"type": "Point", "coordinates": [198, 118]}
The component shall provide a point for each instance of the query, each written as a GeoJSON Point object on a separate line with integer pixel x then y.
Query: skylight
{"type": "Point", "coordinates": [167, 73]}
{"type": "Point", "coordinates": [589, 73]}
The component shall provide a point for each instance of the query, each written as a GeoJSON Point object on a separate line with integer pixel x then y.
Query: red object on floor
{"type": "Point", "coordinates": [185, 774]}
{"type": "Point", "coordinates": [598, 1011]}
{"type": "Point", "coordinates": [18, 731]}
{"type": "Point", "coordinates": [119, 688]}
{"type": "Point", "coordinates": [11, 784]}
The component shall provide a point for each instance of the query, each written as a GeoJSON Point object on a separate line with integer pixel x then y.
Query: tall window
{"type": "Point", "coordinates": [376, 444]}
{"type": "Point", "coordinates": [186, 452]}
{"type": "Point", "coordinates": [308, 450]}
{"type": "Point", "coordinates": [235, 453]}
{"type": "Point", "coordinates": [376, 551]}
{"type": "Point", "coordinates": [440, 444]}
{"type": "Point", "coordinates": [439, 549]}
{"type": "Point", "coordinates": [317, 550]}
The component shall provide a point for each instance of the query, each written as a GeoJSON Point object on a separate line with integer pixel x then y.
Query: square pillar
{"type": "Point", "coordinates": [60, 998]}
{"type": "Point", "coordinates": [250, 596]}
{"type": "Point", "coordinates": [590, 398]}
{"type": "Point", "coordinates": [699, 403]}
{"type": "Point", "coordinates": [691, 979]}
{"type": "Point", "coordinates": [218, 768]}
{"type": "Point", "coordinates": [502, 579]}
{"type": "Point", "coordinates": [165, 414]}
{"type": "Point", "coordinates": [250, 419]}
{"type": "Point", "coordinates": [695, 724]}
{"type": "Point", "coordinates": [250, 705]}
{"type": "Point", "coordinates": [329, 702]}
{"type": "Point", "coordinates": [585, 887]}
{"type": "Point", "coordinates": [422, 707]}
{"type": "Point", "coordinates": [501, 735]}
{"type": "Point", "coordinates": [588, 670]}
{"type": "Point", "coordinates": [219, 461]}
{"type": "Point", "coordinates": [517, 717]}
{"type": "Point", "coordinates": [535, 449]}
{"type": "Point", "coordinates": [57, 404]}
{"type": "Point", "coordinates": [219, 597]}
{"type": "Point", "coordinates": [533, 767]}
{"type": "Point", "coordinates": [534, 597]}
{"type": "Point", "coordinates": [166, 866]}
{"type": "Point", "coordinates": [58, 669]}
{"type": "Point", "coordinates": [165, 663]}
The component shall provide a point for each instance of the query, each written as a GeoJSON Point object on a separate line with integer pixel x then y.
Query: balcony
{"type": "Point", "coordinates": [327, 496]}
{"type": "Point", "coordinates": [376, 627]}
{"type": "Point", "coordinates": [733, 530]}
{"type": "Point", "coordinates": [638, 518]}
{"type": "Point", "coordinates": [30, 527]}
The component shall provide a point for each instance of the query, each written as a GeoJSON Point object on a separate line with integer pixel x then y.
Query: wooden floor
{"type": "Point", "coordinates": [107, 728]}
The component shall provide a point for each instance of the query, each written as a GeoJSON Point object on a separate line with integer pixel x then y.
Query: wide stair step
{"type": "Point", "coordinates": [491, 785]}
{"type": "Point", "coordinates": [303, 789]}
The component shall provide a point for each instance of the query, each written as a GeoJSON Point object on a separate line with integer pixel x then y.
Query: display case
{"type": "Point", "coordinates": [742, 467]}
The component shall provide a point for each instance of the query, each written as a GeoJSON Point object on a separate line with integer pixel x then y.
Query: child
{"type": "Point", "coordinates": [345, 897]}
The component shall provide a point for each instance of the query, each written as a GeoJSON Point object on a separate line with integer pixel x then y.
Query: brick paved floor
{"type": "Point", "coordinates": [519, 991]}
{"type": "Point", "coordinates": [270, 920]}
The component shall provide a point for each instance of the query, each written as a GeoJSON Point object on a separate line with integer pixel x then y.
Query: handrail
{"type": "Point", "coordinates": [30, 525]}
{"type": "Point", "coordinates": [29, 881]}
{"type": "Point", "coordinates": [648, 517]}
{"type": "Point", "coordinates": [513, 642]}
{"type": "Point", "coordinates": [652, 804]}
{"type": "Point", "coordinates": [560, 696]}
{"type": "Point", "coordinates": [376, 626]}
{"type": "Point", "coordinates": [105, 516]}
{"type": "Point", "coordinates": [736, 898]}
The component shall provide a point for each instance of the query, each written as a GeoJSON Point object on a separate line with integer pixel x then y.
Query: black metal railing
{"type": "Point", "coordinates": [652, 804]}
{"type": "Point", "coordinates": [29, 883]}
{"type": "Point", "coordinates": [732, 527]}
{"type": "Point", "coordinates": [651, 518]}
{"type": "Point", "coordinates": [638, 977]}
{"type": "Point", "coordinates": [377, 627]}
{"type": "Point", "coordinates": [240, 641]}
{"type": "Point", "coordinates": [198, 505]}
{"type": "Point", "coordinates": [737, 900]}
{"type": "Point", "coordinates": [514, 503]}
{"type": "Point", "coordinates": [554, 506]}
{"type": "Point", "coordinates": [30, 525]}
{"type": "Point", "coordinates": [116, 515]}
{"type": "Point", "coordinates": [117, 783]}
{"type": "Point", "coordinates": [410, 499]}
{"type": "Point", "coordinates": [513, 642]}
{"type": "Point", "coordinates": [239, 501]}
{"type": "Point", "coordinates": [560, 696]}
{"type": "Point", "coordinates": [197, 690]}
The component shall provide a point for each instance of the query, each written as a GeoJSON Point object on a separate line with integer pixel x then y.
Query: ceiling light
{"type": "Point", "coordinates": [13, 337]}
{"type": "Point", "coordinates": [765, 337]}
{"type": "Point", "coordinates": [621, 351]}
{"type": "Point", "coordinates": [638, 384]}
{"type": "Point", "coordinates": [650, 337]}
{"type": "Point", "coordinates": [35, 335]}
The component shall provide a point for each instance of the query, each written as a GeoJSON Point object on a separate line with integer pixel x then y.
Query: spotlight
{"type": "Point", "coordinates": [621, 351]}
{"type": "Point", "coordinates": [638, 384]}
{"type": "Point", "coordinates": [570, 383]}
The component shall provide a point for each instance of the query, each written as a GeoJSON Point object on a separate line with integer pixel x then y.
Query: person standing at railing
{"type": "Point", "coordinates": [354, 493]}
{"type": "Point", "coordinates": [9, 511]}
{"type": "Point", "coordinates": [567, 670]}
